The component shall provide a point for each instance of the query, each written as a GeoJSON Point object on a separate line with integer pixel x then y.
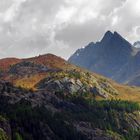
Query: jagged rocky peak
{"type": "Point", "coordinates": [118, 36]}
{"type": "Point", "coordinates": [91, 43]}
{"type": "Point", "coordinates": [108, 35]}
{"type": "Point", "coordinates": [113, 37]}
{"type": "Point", "coordinates": [110, 57]}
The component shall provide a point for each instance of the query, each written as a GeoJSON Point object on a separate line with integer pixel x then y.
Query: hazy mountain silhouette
{"type": "Point", "coordinates": [113, 57]}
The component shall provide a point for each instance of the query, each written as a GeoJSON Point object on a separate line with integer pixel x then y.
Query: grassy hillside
{"type": "Point", "coordinates": [47, 98]}
{"type": "Point", "coordinates": [28, 78]}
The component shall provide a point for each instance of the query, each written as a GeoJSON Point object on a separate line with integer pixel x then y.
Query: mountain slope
{"type": "Point", "coordinates": [7, 62]}
{"type": "Point", "coordinates": [52, 69]}
{"type": "Point", "coordinates": [47, 116]}
{"type": "Point", "coordinates": [47, 98]}
{"type": "Point", "coordinates": [113, 57]}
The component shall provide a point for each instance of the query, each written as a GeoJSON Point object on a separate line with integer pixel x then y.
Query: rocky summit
{"type": "Point", "coordinates": [47, 98]}
{"type": "Point", "coordinates": [113, 57]}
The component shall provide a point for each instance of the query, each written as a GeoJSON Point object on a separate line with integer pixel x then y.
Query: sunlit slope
{"type": "Point", "coordinates": [30, 72]}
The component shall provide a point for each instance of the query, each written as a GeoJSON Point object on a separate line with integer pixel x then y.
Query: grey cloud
{"type": "Point", "coordinates": [77, 35]}
{"type": "Point", "coordinates": [108, 6]}
{"type": "Point", "coordinates": [128, 20]}
{"type": "Point", "coordinates": [4, 4]}
{"type": "Point", "coordinates": [62, 26]}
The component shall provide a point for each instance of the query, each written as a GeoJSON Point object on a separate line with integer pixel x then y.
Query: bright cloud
{"type": "Point", "coordinates": [32, 27]}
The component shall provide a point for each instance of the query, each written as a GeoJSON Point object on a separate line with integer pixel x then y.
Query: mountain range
{"type": "Point", "coordinates": [47, 98]}
{"type": "Point", "coordinates": [113, 57]}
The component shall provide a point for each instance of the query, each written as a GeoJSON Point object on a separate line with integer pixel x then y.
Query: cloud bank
{"type": "Point", "coordinates": [33, 27]}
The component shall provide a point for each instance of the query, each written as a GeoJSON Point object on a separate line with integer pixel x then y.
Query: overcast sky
{"type": "Point", "coordinates": [33, 27]}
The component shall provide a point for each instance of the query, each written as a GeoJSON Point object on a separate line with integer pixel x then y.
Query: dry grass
{"type": "Point", "coordinates": [7, 62]}
{"type": "Point", "coordinates": [127, 92]}
{"type": "Point", "coordinates": [29, 82]}
{"type": "Point", "coordinates": [52, 61]}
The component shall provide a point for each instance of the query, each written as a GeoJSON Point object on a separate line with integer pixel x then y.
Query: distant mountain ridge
{"type": "Point", "coordinates": [113, 57]}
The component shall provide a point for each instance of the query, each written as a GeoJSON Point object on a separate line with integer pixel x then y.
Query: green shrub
{"type": "Point", "coordinates": [18, 136]}
{"type": "Point", "coordinates": [3, 135]}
